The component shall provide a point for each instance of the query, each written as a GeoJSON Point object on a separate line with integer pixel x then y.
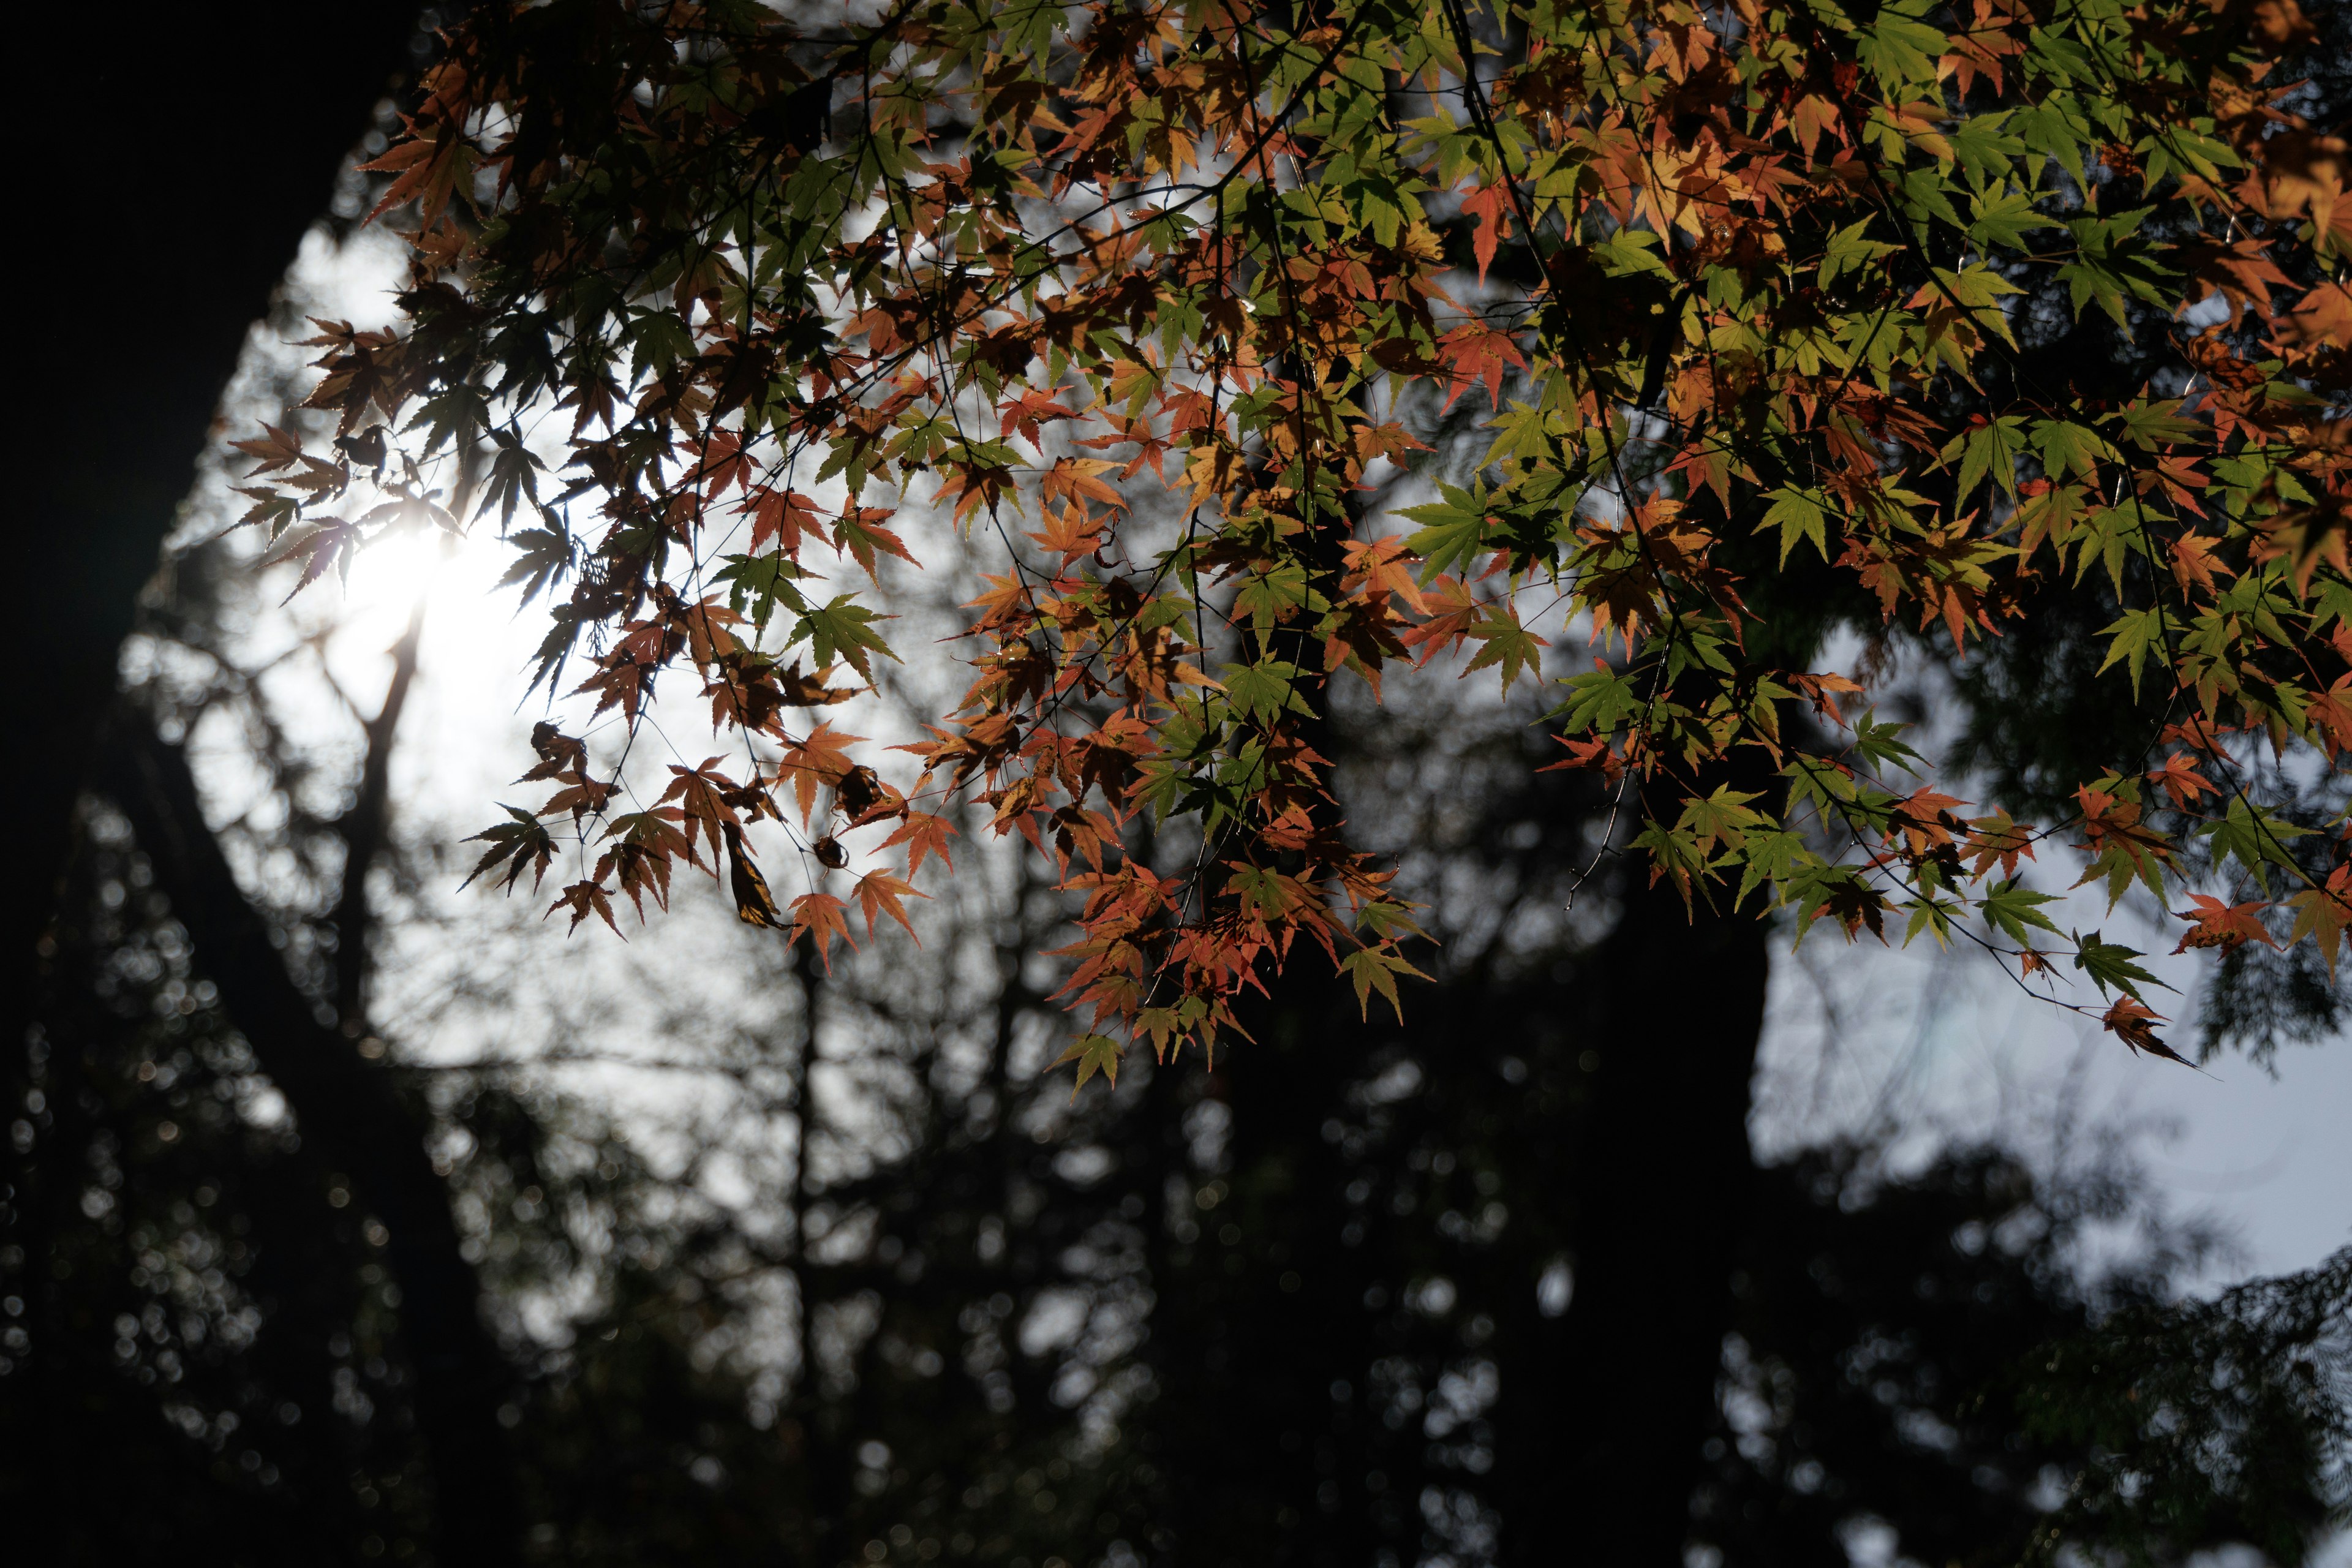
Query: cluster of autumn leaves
{"type": "Point", "coordinates": [1687, 311]}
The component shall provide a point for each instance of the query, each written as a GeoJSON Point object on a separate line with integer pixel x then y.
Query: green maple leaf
{"type": "Point", "coordinates": [1508, 644]}
{"type": "Point", "coordinates": [1848, 248]}
{"type": "Point", "coordinates": [1798, 515]}
{"type": "Point", "coordinates": [2005, 218]}
{"type": "Point", "coordinates": [1264, 690]}
{"type": "Point", "coordinates": [2016, 911]}
{"type": "Point", "coordinates": [2130, 637]}
{"type": "Point", "coordinates": [843, 630]}
{"type": "Point", "coordinates": [2253, 837]}
{"type": "Point", "coordinates": [1093, 1053]}
{"type": "Point", "coordinates": [2151, 422]}
{"type": "Point", "coordinates": [1454, 530]}
{"type": "Point", "coordinates": [1599, 700]}
{"type": "Point", "coordinates": [1990, 449]}
{"type": "Point", "coordinates": [2110, 966]}
{"type": "Point", "coordinates": [2064, 448]}
{"type": "Point", "coordinates": [1376, 969]}
{"type": "Point", "coordinates": [1879, 743]}
{"type": "Point", "coordinates": [760, 583]}
{"type": "Point", "coordinates": [1723, 818]}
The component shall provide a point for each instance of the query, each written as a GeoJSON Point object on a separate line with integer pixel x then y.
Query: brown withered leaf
{"type": "Point", "coordinates": [859, 792]}
{"type": "Point", "coordinates": [810, 690]}
{"type": "Point", "coordinates": [754, 905]}
{"type": "Point", "coordinates": [2278, 26]}
{"type": "Point", "coordinates": [557, 753]}
{"type": "Point", "coordinates": [2133, 1022]}
{"type": "Point", "coordinates": [584, 898]}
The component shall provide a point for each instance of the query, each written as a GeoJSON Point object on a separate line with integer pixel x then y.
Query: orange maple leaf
{"type": "Point", "coordinates": [923, 834]}
{"type": "Point", "coordinates": [1491, 205]}
{"type": "Point", "coordinates": [2179, 778]}
{"type": "Point", "coordinates": [2225, 926]}
{"type": "Point", "coordinates": [821, 759]}
{"type": "Point", "coordinates": [823, 917]}
{"type": "Point", "coordinates": [878, 893]}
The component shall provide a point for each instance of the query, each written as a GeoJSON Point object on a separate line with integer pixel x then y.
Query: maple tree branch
{"type": "Point", "coordinates": [366, 826]}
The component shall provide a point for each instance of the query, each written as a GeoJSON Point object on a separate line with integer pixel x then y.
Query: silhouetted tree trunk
{"type": "Point", "coordinates": [1261, 1320]}
{"type": "Point", "coordinates": [366, 826]}
{"type": "Point", "coordinates": [181, 156]}
{"type": "Point", "coordinates": [827, 1435]}
{"type": "Point", "coordinates": [349, 1106]}
{"type": "Point", "coordinates": [174, 158]}
{"type": "Point", "coordinates": [1662, 1179]}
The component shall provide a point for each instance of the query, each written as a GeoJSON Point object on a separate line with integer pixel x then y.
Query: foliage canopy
{"type": "Point", "coordinates": [1706, 329]}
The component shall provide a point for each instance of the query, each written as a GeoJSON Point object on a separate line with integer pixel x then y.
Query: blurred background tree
{"type": "Point", "coordinates": [1503, 1283]}
{"type": "Point", "coordinates": [1334, 1303]}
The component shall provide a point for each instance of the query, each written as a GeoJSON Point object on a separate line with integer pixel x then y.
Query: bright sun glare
{"type": "Point", "coordinates": [390, 579]}
{"type": "Point", "coordinates": [473, 657]}
{"type": "Point", "coordinates": [393, 572]}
